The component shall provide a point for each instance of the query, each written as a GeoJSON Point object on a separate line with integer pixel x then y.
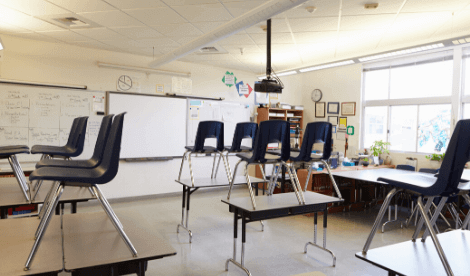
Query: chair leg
{"type": "Point", "coordinates": [43, 156]}
{"type": "Point", "coordinates": [48, 203]}
{"type": "Point", "coordinates": [110, 213]}
{"type": "Point", "coordinates": [191, 169]}
{"type": "Point", "coordinates": [233, 179]}
{"type": "Point", "coordinates": [19, 175]}
{"type": "Point", "coordinates": [213, 166]}
{"type": "Point", "coordinates": [48, 216]}
{"type": "Point", "coordinates": [467, 217]}
{"type": "Point", "coordinates": [434, 217]}
{"type": "Point", "coordinates": [271, 182]}
{"type": "Point", "coordinates": [105, 201]}
{"type": "Point", "coordinates": [218, 164]}
{"type": "Point", "coordinates": [297, 182]}
{"type": "Point", "coordinates": [435, 240]}
{"type": "Point", "coordinates": [262, 171]}
{"type": "Point", "coordinates": [332, 179]}
{"type": "Point", "coordinates": [227, 166]}
{"type": "Point", "coordinates": [422, 219]}
{"type": "Point", "coordinates": [181, 168]}
{"type": "Point", "coordinates": [274, 180]}
{"type": "Point", "coordinates": [310, 169]}
{"type": "Point", "coordinates": [250, 190]}
{"type": "Point", "coordinates": [378, 220]}
{"type": "Point", "coordinates": [294, 184]}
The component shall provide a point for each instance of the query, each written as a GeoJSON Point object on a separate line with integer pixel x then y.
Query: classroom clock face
{"type": "Point", "coordinates": [124, 83]}
{"type": "Point", "coordinates": [316, 95]}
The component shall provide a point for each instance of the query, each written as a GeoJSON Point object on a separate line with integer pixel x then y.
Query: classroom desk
{"type": "Point", "coordinates": [277, 206]}
{"type": "Point", "coordinates": [16, 241]}
{"type": "Point", "coordinates": [203, 183]}
{"type": "Point", "coordinates": [92, 246]}
{"type": "Point", "coordinates": [418, 258]}
{"type": "Point", "coordinates": [11, 196]}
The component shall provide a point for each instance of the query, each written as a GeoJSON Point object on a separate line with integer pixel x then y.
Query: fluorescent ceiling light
{"type": "Point", "coordinates": [324, 66]}
{"type": "Point", "coordinates": [1, 44]}
{"type": "Point", "coordinates": [406, 51]}
{"type": "Point", "coordinates": [288, 73]}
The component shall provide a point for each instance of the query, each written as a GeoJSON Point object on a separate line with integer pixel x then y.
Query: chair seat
{"type": "Point", "coordinates": [294, 154]}
{"type": "Point", "coordinates": [206, 149]}
{"type": "Point", "coordinates": [53, 150]}
{"type": "Point", "coordinates": [418, 183]}
{"type": "Point", "coordinates": [83, 164]}
{"type": "Point", "coordinates": [14, 147]}
{"type": "Point", "coordinates": [242, 149]}
{"type": "Point", "coordinates": [66, 175]}
{"type": "Point", "coordinates": [271, 158]}
{"type": "Point", "coordinates": [5, 153]}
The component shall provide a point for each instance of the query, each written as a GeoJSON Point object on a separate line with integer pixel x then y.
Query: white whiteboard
{"type": "Point", "coordinates": [34, 115]}
{"type": "Point", "coordinates": [230, 113]}
{"type": "Point", "coordinates": [154, 126]}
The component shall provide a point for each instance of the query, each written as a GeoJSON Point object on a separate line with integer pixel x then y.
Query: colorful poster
{"type": "Point", "coordinates": [229, 79]}
{"type": "Point", "coordinates": [244, 89]}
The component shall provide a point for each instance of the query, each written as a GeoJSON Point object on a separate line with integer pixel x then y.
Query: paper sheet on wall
{"type": "Point", "coordinates": [181, 85]}
{"type": "Point", "coordinates": [98, 104]}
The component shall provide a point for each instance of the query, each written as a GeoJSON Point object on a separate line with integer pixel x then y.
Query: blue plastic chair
{"type": "Point", "coordinates": [242, 131]}
{"type": "Point", "coordinates": [10, 152]}
{"type": "Point", "coordinates": [444, 185]}
{"type": "Point", "coordinates": [272, 131]}
{"type": "Point", "coordinates": [405, 168]}
{"type": "Point", "coordinates": [206, 130]}
{"type": "Point", "coordinates": [427, 170]}
{"type": "Point", "coordinates": [79, 177]}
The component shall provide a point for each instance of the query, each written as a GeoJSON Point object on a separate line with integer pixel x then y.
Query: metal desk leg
{"type": "Point", "coordinates": [235, 233]}
{"type": "Point", "coordinates": [3, 213]}
{"type": "Point", "coordinates": [325, 218]}
{"type": "Point", "coordinates": [390, 216]}
{"type": "Point", "coordinates": [283, 179]}
{"type": "Point", "coordinates": [184, 222]}
{"type": "Point", "coordinates": [73, 208]}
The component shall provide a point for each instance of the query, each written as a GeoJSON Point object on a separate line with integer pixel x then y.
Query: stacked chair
{"type": "Point", "coordinates": [445, 185]}
{"type": "Point", "coordinates": [90, 174]}
{"type": "Point", "coordinates": [10, 152]}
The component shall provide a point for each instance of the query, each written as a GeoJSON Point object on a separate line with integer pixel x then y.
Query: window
{"type": "Point", "coordinates": [407, 102]}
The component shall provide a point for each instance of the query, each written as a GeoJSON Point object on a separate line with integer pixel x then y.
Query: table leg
{"type": "Point", "coordinates": [3, 213]}
{"type": "Point", "coordinates": [391, 273]}
{"type": "Point", "coordinates": [184, 222]}
{"type": "Point", "coordinates": [390, 220]}
{"type": "Point", "coordinates": [314, 243]}
{"type": "Point", "coordinates": [141, 271]}
{"type": "Point", "coordinates": [283, 179]}
{"type": "Point", "coordinates": [73, 207]}
{"type": "Point", "coordinates": [235, 234]}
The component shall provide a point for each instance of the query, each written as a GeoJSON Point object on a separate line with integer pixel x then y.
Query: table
{"type": "Point", "coordinates": [16, 241]}
{"type": "Point", "coordinates": [203, 183]}
{"type": "Point", "coordinates": [11, 196]}
{"type": "Point", "coordinates": [277, 206]}
{"type": "Point", "coordinates": [418, 258]}
{"type": "Point", "coordinates": [92, 246]}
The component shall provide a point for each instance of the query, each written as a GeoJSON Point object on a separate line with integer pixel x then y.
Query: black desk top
{"type": "Point", "coordinates": [90, 240]}
{"type": "Point", "coordinates": [418, 258]}
{"type": "Point", "coordinates": [279, 201]}
{"type": "Point", "coordinates": [16, 241]}
{"type": "Point", "coordinates": [220, 181]}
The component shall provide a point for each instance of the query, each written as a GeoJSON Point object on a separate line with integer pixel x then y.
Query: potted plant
{"type": "Point", "coordinates": [435, 157]}
{"type": "Point", "coordinates": [378, 148]}
{"type": "Point", "coordinates": [365, 162]}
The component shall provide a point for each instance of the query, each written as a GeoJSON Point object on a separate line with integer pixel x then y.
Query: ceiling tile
{"type": "Point", "coordinates": [100, 34]}
{"type": "Point", "coordinates": [135, 4]}
{"type": "Point", "coordinates": [22, 20]}
{"type": "Point", "coordinates": [184, 39]}
{"type": "Point", "coordinates": [237, 9]}
{"type": "Point", "coordinates": [166, 49]}
{"type": "Point", "coordinates": [189, 2]}
{"type": "Point", "coordinates": [280, 38]}
{"type": "Point", "coordinates": [277, 26]}
{"type": "Point", "coordinates": [356, 7]}
{"type": "Point", "coordinates": [456, 26]}
{"type": "Point", "coordinates": [83, 5]}
{"type": "Point", "coordinates": [247, 49]}
{"type": "Point", "coordinates": [157, 16]}
{"type": "Point", "coordinates": [167, 42]}
{"type": "Point", "coordinates": [65, 36]}
{"type": "Point", "coordinates": [433, 5]}
{"type": "Point", "coordinates": [6, 28]}
{"type": "Point", "coordinates": [243, 39]}
{"type": "Point", "coordinates": [204, 13]}
{"type": "Point", "coordinates": [207, 27]}
{"type": "Point", "coordinates": [366, 22]}
{"type": "Point", "coordinates": [137, 32]}
{"type": "Point", "coordinates": [33, 7]}
{"type": "Point", "coordinates": [314, 24]}
{"type": "Point", "coordinates": [125, 43]}
{"type": "Point", "coordinates": [37, 36]}
{"type": "Point", "coordinates": [95, 44]}
{"type": "Point", "coordinates": [325, 8]}
{"type": "Point", "coordinates": [112, 19]}
{"type": "Point", "coordinates": [315, 37]}
{"type": "Point", "coordinates": [182, 29]}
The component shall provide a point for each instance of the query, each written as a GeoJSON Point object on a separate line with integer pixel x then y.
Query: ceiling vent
{"type": "Point", "coordinates": [69, 21]}
{"type": "Point", "coordinates": [210, 50]}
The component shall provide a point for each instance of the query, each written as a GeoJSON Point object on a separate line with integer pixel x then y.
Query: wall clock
{"type": "Point", "coordinates": [124, 83]}
{"type": "Point", "coordinates": [316, 95]}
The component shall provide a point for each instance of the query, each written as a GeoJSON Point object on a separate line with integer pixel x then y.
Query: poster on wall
{"type": "Point", "coordinates": [181, 85]}
{"type": "Point", "coordinates": [244, 89]}
{"type": "Point", "coordinates": [229, 79]}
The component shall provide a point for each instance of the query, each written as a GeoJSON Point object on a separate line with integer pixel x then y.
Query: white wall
{"type": "Point", "coordinates": [30, 60]}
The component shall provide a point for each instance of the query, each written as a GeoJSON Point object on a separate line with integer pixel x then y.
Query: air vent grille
{"type": "Point", "coordinates": [209, 50]}
{"type": "Point", "coordinates": [72, 22]}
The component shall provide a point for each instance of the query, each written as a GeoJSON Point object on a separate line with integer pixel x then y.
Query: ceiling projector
{"type": "Point", "coordinates": [268, 86]}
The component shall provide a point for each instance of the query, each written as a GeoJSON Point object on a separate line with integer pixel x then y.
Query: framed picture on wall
{"type": "Point", "coordinates": [343, 124]}
{"type": "Point", "coordinates": [333, 129]}
{"type": "Point", "coordinates": [348, 109]}
{"type": "Point", "coordinates": [333, 108]}
{"type": "Point", "coordinates": [320, 110]}
{"type": "Point", "coordinates": [333, 120]}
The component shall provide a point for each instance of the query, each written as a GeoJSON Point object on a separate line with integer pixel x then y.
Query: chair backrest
{"type": "Point", "coordinates": [316, 132]}
{"type": "Point", "coordinates": [457, 154]}
{"type": "Point", "coordinates": [102, 137]}
{"type": "Point", "coordinates": [109, 165]}
{"type": "Point", "coordinates": [73, 131]}
{"type": "Point", "coordinates": [78, 140]}
{"type": "Point", "coordinates": [427, 170]}
{"type": "Point", "coordinates": [405, 168]}
{"type": "Point", "coordinates": [272, 131]}
{"type": "Point", "coordinates": [242, 131]}
{"type": "Point", "coordinates": [209, 129]}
